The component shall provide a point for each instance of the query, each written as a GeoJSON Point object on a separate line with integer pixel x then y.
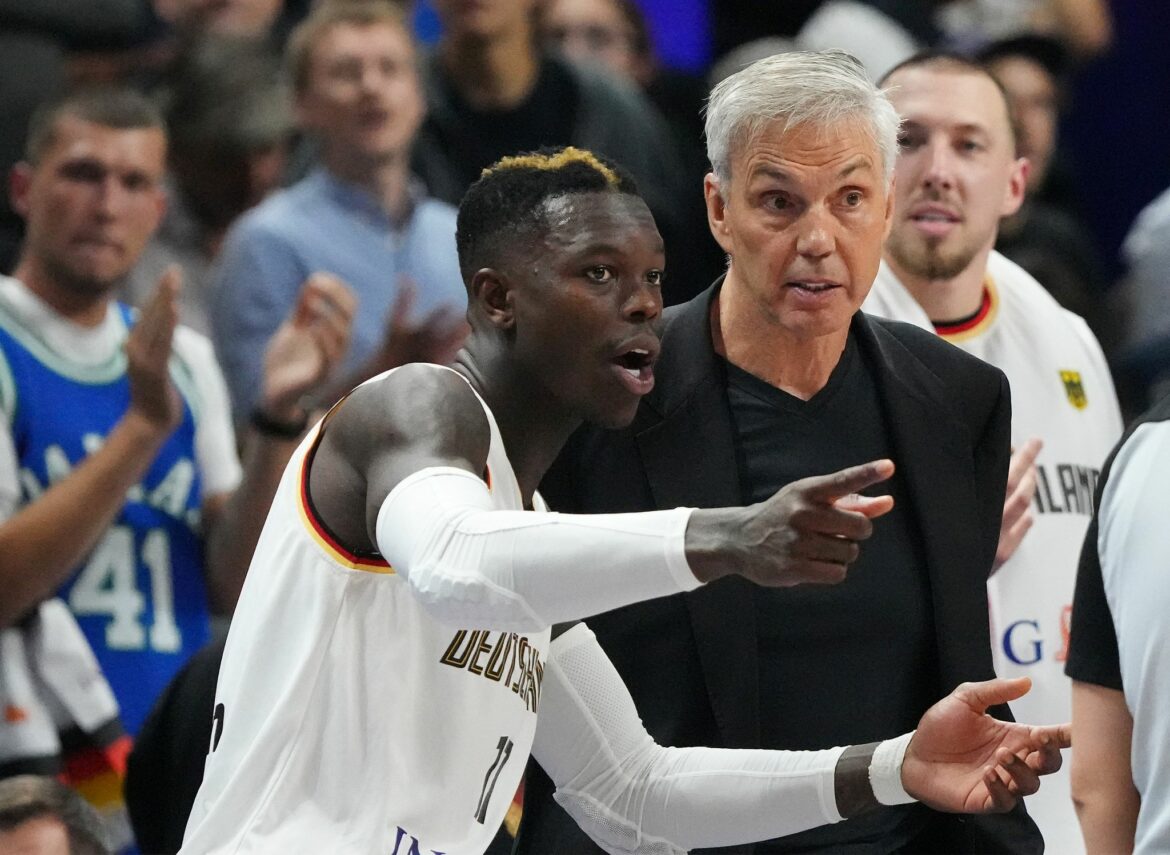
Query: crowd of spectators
{"type": "Point", "coordinates": [225, 215]}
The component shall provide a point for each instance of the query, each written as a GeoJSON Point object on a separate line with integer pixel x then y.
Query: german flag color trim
{"type": "Point", "coordinates": [984, 318]}
{"type": "Point", "coordinates": [321, 534]}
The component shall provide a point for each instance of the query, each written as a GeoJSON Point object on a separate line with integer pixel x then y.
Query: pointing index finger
{"type": "Point", "coordinates": [829, 488]}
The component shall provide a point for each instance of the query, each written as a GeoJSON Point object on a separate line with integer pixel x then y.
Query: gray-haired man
{"type": "Point", "coordinates": [771, 376]}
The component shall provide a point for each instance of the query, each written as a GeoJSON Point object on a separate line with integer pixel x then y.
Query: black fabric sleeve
{"type": "Point", "coordinates": [1092, 652]}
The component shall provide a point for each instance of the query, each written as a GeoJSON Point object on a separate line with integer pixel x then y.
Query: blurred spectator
{"type": "Point", "coordinates": [229, 119]}
{"type": "Point", "coordinates": [861, 29]}
{"type": "Point", "coordinates": [174, 27]}
{"type": "Point", "coordinates": [1084, 27]}
{"type": "Point", "coordinates": [40, 816]}
{"type": "Point", "coordinates": [613, 34]}
{"type": "Point", "coordinates": [119, 479]}
{"type": "Point", "coordinates": [1045, 236]}
{"type": "Point", "coordinates": [492, 92]}
{"type": "Point", "coordinates": [232, 18]}
{"type": "Point", "coordinates": [60, 715]}
{"type": "Point", "coordinates": [874, 38]}
{"type": "Point", "coordinates": [737, 22]}
{"type": "Point", "coordinates": [1143, 301]}
{"type": "Point", "coordinates": [360, 214]}
{"type": "Point", "coordinates": [35, 38]}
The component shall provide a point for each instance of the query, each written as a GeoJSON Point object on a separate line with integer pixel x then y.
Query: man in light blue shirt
{"type": "Point", "coordinates": [359, 216]}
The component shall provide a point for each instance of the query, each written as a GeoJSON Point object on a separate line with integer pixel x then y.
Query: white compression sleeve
{"type": "Point", "coordinates": [634, 796]}
{"type": "Point", "coordinates": [473, 565]}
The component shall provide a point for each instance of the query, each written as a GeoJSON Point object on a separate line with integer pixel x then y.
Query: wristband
{"type": "Point", "coordinates": [885, 771]}
{"type": "Point", "coordinates": [265, 425]}
{"type": "Point", "coordinates": [867, 776]}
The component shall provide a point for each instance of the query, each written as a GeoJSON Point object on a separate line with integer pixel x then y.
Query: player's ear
{"type": "Point", "coordinates": [1016, 187]}
{"type": "Point", "coordinates": [19, 185]}
{"type": "Point", "coordinates": [491, 296]}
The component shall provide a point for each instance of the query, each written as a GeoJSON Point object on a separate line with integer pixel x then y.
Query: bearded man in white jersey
{"type": "Point", "coordinates": [380, 685]}
{"type": "Point", "coordinates": [957, 173]}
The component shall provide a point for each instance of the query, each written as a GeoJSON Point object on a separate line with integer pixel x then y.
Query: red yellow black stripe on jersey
{"type": "Point", "coordinates": [979, 322]}
{"type": "Point", "coordinates": [370, 562]}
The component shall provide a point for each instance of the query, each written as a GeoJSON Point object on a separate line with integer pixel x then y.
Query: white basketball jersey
{"type": "Point", "coordinates": [349, 721]}
{"type": "Point", "coordinates": [1062, 393]}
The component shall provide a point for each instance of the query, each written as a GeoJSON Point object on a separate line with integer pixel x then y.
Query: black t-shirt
{"type": "Point", "coordinates": [545, 118]}
{"type": "Point", "coordinates": [849, 663]}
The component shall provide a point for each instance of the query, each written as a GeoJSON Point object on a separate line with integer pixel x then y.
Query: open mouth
{"type": "Point", "coordinates": [635, 367]}
{"type": "Point", "coordinates": [637, 362]}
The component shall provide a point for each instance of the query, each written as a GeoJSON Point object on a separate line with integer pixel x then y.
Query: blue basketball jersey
{"type": "Point", "coordinates": [139, 596]}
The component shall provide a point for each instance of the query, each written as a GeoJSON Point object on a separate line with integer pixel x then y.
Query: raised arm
{"type": "Point", "coordinates": [634, 796]}
{"type": "Point", "coordinates": [298, 360]}
{"type": "Point", "coordinates": [46, 540]}
{"type": "Point", "coordinates": [414, 445]}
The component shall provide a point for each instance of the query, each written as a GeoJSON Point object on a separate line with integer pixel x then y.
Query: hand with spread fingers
{"type": "Point", "coordinates": [1017, 506]}
{"type": "Point", "coordinates": [807, 533]}
{"type": "Point", "coordinates": [963, 760]}
{"type": "Point", "coordinates": [435, 338]}
{"type": "Point", "coordinates": [304, 350]}
{"type": "Point", "coordinates": [148, 353]}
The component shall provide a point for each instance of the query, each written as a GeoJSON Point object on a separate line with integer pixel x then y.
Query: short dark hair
{"type": "Point", "coordinates": [956, 62]}
{"type": "Point", "coordinates": [326, 16]}
{"type": "Point", "coordinates": [28, 797]}
{"type": "Point", "coordinates": [1047, 52]}
{"type": "Point", "coordinates": [111, 107]}
{"type": "Point", "coordinates": [506, 206]}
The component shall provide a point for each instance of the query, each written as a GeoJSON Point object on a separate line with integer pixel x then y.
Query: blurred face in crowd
{"type": "Point", "coordinates": [590, 31]}
{"type": "Point", "coordinates": [1034, 100]}
{"type": "Point", "coordinates": [222, 17]}
{"type": "Point", "coordinates": [483, 20]}
{"type": "Point", "coordinates": [362, 94]}
{"type": "Point", "coordinates": [803, 218]}
{"type": "Point", "coordinates": [957, 172]}
{"type": "Point", "coordinates": [91, 202]}
{"type": "Point", "coordinates": [41, 835]}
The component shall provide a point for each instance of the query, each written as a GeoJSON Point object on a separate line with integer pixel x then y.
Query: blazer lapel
{"type": "Point", "coordinates": [934, 454]}
{"type": "Point", "coordinates": [688, 454]}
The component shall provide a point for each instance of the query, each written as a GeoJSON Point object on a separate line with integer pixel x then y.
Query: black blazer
{"type": "Point", "coordinates": [690, 660]}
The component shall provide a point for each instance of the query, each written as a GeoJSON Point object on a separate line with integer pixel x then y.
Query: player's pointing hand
{"type": "Point", "coordinates": [807, 532]}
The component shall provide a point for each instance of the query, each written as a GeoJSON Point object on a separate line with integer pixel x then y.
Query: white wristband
{"type": "Point", "coordinates": [885, 771]}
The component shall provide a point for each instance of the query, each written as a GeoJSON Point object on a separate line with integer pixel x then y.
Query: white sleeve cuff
{"type": "Point", "coordinates": [885, 771]}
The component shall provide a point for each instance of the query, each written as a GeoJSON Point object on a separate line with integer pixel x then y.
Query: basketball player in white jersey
{"type": "Point", "coordinates": [956, 175]}
{"type": "Point", "coordinates": [381, 682]}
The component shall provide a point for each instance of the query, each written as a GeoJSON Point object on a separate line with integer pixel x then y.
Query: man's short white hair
{"type": "Point", "coordinates": [811, 88]}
